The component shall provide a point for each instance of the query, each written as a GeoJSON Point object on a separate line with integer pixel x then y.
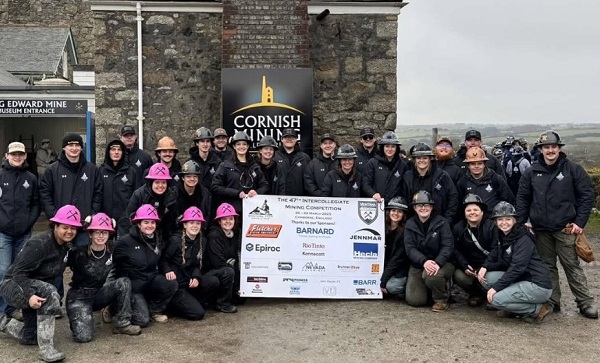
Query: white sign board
{"type": "Point", "coordinates": [312, 247]}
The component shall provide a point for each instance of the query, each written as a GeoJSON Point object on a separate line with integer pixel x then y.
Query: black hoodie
{"type": "Point", "coordinates": [208, 167]}
{"type": "Point", "coordinates": [118, 183]}
{"type": "Point", "coordinates": [293, 166]}
{"type": "Point", "coordinates": [19, 202]}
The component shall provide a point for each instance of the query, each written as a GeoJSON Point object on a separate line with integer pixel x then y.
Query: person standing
{"type": "Point", "coordinates": [319, 166]}
{"type": "Point", "coordinates": [166, 154]}
{"type": "Point", "coordinates": [44, 156]}
{"type": "Point", "coordinates": [221, 147]}
{"type": "Point", "coordinates": [293, 162]}
{"type": "Point", "coordinates": [272, 171]}
{"type": "Point", "coordinates": [382, 178]}
{"type": "Point", "coordinates": [344, 180]}
{"type": "Point", "coordinates": [444, 156]}
{"type": "Point", "coordinates": [367, 148]}
{"type": "Point", "coordinates": [192, 193]}
{"type": "Point", "coordinates": [136, 157]}
{"type": "Point", "coordinates": [19, 210]}
{"type": "Point", "coordinates": [473, 139]}
{"type": "Point", "coordinates": [72, 180]}
{"type": "Point", "coordinates": [202, 154]}
{"type": "Point", "coordinates": [554, 193]}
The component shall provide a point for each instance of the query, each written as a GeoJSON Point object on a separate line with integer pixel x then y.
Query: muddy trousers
{"type": "Point", "coordinates": [468, 283]}
{"type": "Point", "coordinates": [187, 302]}
{"type": "Point", "coordinates": [522, 298]}
{"type": "Point", "coordinates": [553, 245]}
{"type": "Point", "coordinates": [226, 277]}
{"type": "Point", "coordinates": [82, 302]}
{"type": "Point", "coordinates": [419, 284]}
{"type": "Point", "coordinates": [151, 297]}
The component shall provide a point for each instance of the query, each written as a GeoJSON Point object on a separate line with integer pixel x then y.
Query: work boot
{"type": "Point", "coordinates": [502, 314]}
{"type": "Point", "coordinates": [159, 318]}
{"type": "Point", "coordinates": [229, 309]}
{"type": "Point", "coordinates": [589, 311]}
{"type": "Point", "coordinates": [106, 316]}
{"type": "Point", "coordinates": [475, 301]}
{"type": "Point", "coordinates": [45, 333]}
{"type": "Point", "coordinates": [16, 314]}
{"type": "Point", "coordinates": [439, 307]}
{"type": "Point", "coordinates": [127, 330]}
{"type": "Point", "coordinates": [10, 327]}
{"type": "Point", "coordinates": [544, 311]}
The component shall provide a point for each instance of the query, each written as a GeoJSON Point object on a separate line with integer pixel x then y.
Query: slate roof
{"type": "Point", "coordinates": [34, 50]}
{"type": "Point", "coordinates": [7, 79]}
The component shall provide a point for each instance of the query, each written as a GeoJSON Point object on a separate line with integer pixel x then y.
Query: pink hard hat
{"type": "Point", "coordinates": [159, 171]}
{"type": "Point", "coordinates": [145, 213]}
{"type": "Point", "coordinates": [193, 214]}
{"type": "Point", "coordinates": [225, 210]}
{"type": "Point", "coordinates": [101, 222]}
{"type": "Point", "coordinates": [69, 215]}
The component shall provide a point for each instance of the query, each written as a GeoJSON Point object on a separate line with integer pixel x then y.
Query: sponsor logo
{"type": "Point", "coordinates": [363, 291]}
{"type": "Point", "coordinates": [313, 267]}
{"type": "Point", "coordinates": [365, 251]}
{"type": "Point", "coordinates": [367, 211]}
{"type": "Point", "coordinates": [364, 282]}
{"type": "Point", "coordinates": [348, 268]}
{"type": "Point", "coordinates": [375, 268]}
{"type": "Point", "coordinates": [262, 248]}
{"type": "Point", "coordinates": [264, 230]}
{"type": "Point", "coordinates": [330, 282]}
{"type": "Point", "coordinates": [314, 231]}
{"type": "Point", "coordinates": [312, 246]}
{"type": "Point", "coordinates": [294, 290]}
{"type": "Point", "coordinates": [366, 234]}
{"type": "Point", "coordinates": [308, 253]}
{"type": "Point", "coordinates": [261, 279]}
{"type": "Point", "coordinates": [263, 210]}
{"type": "Point", "coordinates": [249, 265]}
{"type": "Point", "coordinates": [284, 266]}
{"type": "Point", "coordinates": [294, 279]}
{"type": "Point", "coordinates": [257, 289]}
{"type": "Point", "coordinates": [329, 290]}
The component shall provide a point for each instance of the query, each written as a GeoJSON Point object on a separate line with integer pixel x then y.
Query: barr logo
{"type": "Point", "coordinates": [264, 230]}
{"type": "Point", "coordinates": [267, 100]}
{"type": "Point", "coordinates": [375, 268]}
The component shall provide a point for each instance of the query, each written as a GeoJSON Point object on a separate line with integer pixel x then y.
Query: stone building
{"type": "Point", "coordinates": [350, 45]}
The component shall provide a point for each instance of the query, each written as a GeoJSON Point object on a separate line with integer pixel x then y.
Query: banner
{"type": "Point", "coordinates": [312, 247]}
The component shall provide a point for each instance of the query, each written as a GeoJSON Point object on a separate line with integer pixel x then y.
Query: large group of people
{"type": "Point", "coordinates": [147, 238]}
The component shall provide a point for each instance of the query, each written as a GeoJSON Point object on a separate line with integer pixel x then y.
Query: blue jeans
{"type": "Point", "coordinates": [9, 248]}
{"type": "Point", "coordinates": [396, 286]}
{"type": "Point", "coordinates": [522, 297]}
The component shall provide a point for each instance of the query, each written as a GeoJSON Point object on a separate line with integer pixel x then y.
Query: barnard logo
{"type": "Point", "coordinates": [368, 211]}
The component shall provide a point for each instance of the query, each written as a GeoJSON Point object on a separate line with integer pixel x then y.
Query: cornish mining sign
{"type": "Point", "coordinates": [264, 102]}
{"type": "Point", "coordinates": [9, 108]}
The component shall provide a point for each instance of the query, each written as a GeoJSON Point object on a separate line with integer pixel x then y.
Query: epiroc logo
{"type": "Point", "coordinates": [365, 251]}
{"type": "Point", "coordinates": [261, 248]}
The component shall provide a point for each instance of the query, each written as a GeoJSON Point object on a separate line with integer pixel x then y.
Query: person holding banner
{"type": "Point", "coordinates": [395, 273]}
{"type": "Point", "coordinates": [474, 237]}
{"type": "Point", "coordinates": [222, 257]}
{"type": "Point", "coordinates": [344, 181]}
{"type": "Point", "coordinates": [239, 177]}
{"type": "Point", "coordinates": [429, 246]}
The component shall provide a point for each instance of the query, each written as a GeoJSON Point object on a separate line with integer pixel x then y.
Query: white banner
{"type": "Point", "coordinates": [312, 247]}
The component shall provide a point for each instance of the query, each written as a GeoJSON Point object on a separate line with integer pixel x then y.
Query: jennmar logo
{"type": "Point", "coordinates": [366, 234]}
{"type": "Point", "coordinates": [365, 251]}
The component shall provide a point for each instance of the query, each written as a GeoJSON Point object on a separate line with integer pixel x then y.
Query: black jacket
{"type": "Point", "coordinates": [226, 154]}
{"type": "Point", "coordinates": [315, 173]}
{"type": "Point", "coordinates": [136, 259]}
{"type": "Point", "coordinates": [363, 157]}
{"type": "Point", "coordinates": [200, 198]}
{"type": "Point", "coordinates": [171, 259]}
{"type": "Point", "coordinates": [227, 186]}
{"type": "Point", "coordinates": [437, 244]}
{"type": "Point", "coordinates": [466, 251]}
{"type": "Point", "coordinates": [118, 186]}
{"type": "Point", "coordinates": [453, 170]}
{"type": "Point", "coordinates": [293, 166]}
{"type": "Point", "coordinates": [438, 183]}
{"type": "Point", "coordinates": [165, 204]}
{"type": "Point", "coordinates": [88, 271]}
{"type": "Point", "coordinates": [516, 254]}
{"type": "Point", "coordinates": [551, 197]}
{"type": "Point", "coordinates": [41, 258]}
{"type": "Point", "coordinates": [219, 249]}
{"type": "Point", "coordinates": [491, 187]}
{"type": "Point", "coordinates": [492, 163]}
{"type": "Point", "coordinates": [208, 167]}
{"type": "Point", "coordinates": [77, 184]}
{"type": "Point", "coordinates": [140, 161]}
{"type": "Point", "coordinates": [383, 177]}
{"type": "Point", "coordinates": [396, 260]}
{"type": "Point", "coordinates": [274, 176]}
{"type": "Point", "coordinates": [19, 201]}
{"type": "Point", "coordinates": [338, 184]}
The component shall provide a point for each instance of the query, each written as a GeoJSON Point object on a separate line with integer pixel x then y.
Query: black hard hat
{"type": "Point", "coordinates": [504, 209]}
{"type": "Point", "coordinates": [190, 167]}
{"type": "Point", "coordinates": [202, 134]}
{"type": "Point", "coordinates": [345, 152]}
{"type": "Point", "coordinates": [289, 132]}
{"type": "Point", "coordinates": [397, 203]}
{"type": "Point", "coordinates": [517, 150]}
{"type": "Point", "coordinates": [421, 149]}
{"type": "Point", "coordinates": [549, 138]}
{"type": "Point", "coordinates": [267, 141]}
{"type": "Point", "coordinates": [422, 197]}
{"type": "Point", "coordinates": [474, 199]}
{"type": "Point", "coordinates": [240, 136]}
{"type": "Point", "coordinates": [389, 138]}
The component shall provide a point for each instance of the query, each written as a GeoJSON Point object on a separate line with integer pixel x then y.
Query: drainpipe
{"type": "Point", "coordinates": [140, 117]}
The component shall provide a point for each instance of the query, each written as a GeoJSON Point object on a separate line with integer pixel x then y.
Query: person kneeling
{"type": "Point", "coordinates": [517, 280]}
{"type": "Point", "coordinates": [89, 292]}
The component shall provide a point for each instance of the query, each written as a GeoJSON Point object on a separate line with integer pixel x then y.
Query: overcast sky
{"type": "Point", "coordinates": [503, 61]}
